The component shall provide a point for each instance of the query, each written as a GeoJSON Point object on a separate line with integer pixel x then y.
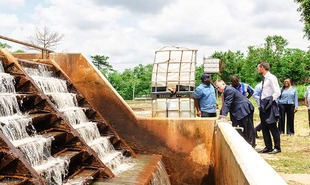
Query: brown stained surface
{"type": "Point", "coordinates": [187, 147]}
{"type": "Point", "coordinates": [180, 155]}
{"type": "Point", "coordinates": [146, 175]}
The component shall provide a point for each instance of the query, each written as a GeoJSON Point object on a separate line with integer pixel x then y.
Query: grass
{"type": "Point", "coordinates": [295, 155]}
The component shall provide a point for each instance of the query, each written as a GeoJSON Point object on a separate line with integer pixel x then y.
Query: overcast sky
{"type": "Point", "coordinates": [130, 31]}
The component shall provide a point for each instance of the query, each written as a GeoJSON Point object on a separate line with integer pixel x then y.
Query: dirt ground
{"type": "Point", "coordinates": [144, 109]}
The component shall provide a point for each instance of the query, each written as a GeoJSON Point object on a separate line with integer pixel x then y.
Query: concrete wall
{"type": "Point", "coordinates": [187, 147]}
{"type": "Point", "coordinates": [236, 162]}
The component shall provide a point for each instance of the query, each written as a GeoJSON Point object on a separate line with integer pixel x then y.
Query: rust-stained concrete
{"type": "Point", "coordinates": [187, 147]}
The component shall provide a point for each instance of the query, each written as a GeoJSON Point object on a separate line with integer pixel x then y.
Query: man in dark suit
{"type": "Point", "coordinates": [240, 109]}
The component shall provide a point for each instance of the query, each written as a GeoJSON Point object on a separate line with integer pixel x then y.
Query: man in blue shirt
{"type": "Point", "coordinates": [307, 102]}
{"type": "Point", "coordinates": [243, 88]}
{"type": "Point", "coordinates": [256, 95]}
{"type": "Point", "coordinates": [204, 98]}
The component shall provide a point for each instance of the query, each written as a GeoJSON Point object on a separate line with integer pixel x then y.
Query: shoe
{"type": "Point", "coordinates": [274, 151]}
{"type": "Point", "coordinates": [256, 135]}
{"type": "Point", "coordinates": [265, 150]}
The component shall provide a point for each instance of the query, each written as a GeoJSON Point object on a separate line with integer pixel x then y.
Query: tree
{"type": "Point", "coordinates": [45, 38]}
{"type": "Point", "coordinates": [132, 82]}
{"type": "Point", "coordinates": [142, 80]}
{"type": "Point", "coordinates": [304, 8]}
{"type": "Point", "coordinates": [5, 45]}
{"type": "Point", "coordinates": [19, 51]}
{"type": "Point", "coordinates": [101, 61]}
{"type": "Point", "coordinates": [285, 62]}
{"type": "Point", "coordinates": [230, 63]}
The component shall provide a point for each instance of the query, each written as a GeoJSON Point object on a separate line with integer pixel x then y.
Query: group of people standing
{"type": "Point", "coordinates": [274, 104]}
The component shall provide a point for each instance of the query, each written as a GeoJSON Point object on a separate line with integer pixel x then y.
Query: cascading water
{"type": "Point", "coordinates": [160, 176]}
{"type": "Point", "coordinates": [66, 103]}
{"type": "Point", "coordinates": [17, 127]}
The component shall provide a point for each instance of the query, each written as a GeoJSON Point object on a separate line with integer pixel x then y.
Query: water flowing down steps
{"type": "Point", "coordinates": [56, 88]}
{"type": "Point", "coordinates": [36, 141]}
{"type": "Point", "coordinates": [71, 133]}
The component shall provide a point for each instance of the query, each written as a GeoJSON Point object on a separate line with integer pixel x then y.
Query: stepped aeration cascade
{"type": "Point", "coordinates": [18, 128]}
{"type": "Point", "coordinates": [67, 103]}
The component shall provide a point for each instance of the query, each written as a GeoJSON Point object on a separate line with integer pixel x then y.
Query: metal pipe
{"type": "Point", "coordinates": [44, 50]}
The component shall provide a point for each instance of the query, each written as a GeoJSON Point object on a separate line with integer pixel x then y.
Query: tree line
{"type": "Point", "coordinates": [285, 63]}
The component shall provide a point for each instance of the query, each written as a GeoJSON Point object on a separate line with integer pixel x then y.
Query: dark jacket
{"type": "Point", "coordinates": [269, 110]}
{"type": "Point", "coordinates": [235, 103]}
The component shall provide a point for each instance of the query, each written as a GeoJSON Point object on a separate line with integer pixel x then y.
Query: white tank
{"type": "Point", "coordinates": [173, 107]}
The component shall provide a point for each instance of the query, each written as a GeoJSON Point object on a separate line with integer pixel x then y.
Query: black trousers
{"type": "Point", "coordinates": [267, 129]}
{"type": "Point", "coordinates": [258, 128]}
{"type": "Point", "coordinates": [206, 114]}
{"type": "Point", "coordinates": [309, 117]}
{"type": "Point", "coordinates": [248, 125]}
{"type": "Point", "coordinates": [286, 110]}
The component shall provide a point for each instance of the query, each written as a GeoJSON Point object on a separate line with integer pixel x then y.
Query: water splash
{"type": "Point", "coordinates": [7, 83]}
{"type": "Point", "coordinates": [63, 100]}
{"type": "Point", "coordinates": [1, 66]}
{"type": "Point", "coordinates": [41, 70]}
{"type": "Point", "coordinates": [17, 127]}
{"type": "Point", "coordinates": [50, 85]}
{"type": "Point", "coordinates": [160, 177]}
{"type": "Point", "coordinates": [9, 105]}
{"type": "Point", "coordinates": [75, 115]}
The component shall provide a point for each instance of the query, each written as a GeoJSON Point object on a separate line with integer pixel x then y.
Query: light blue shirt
{"type": "Point", "coordinates": [307, 95]}
{"type": "Point", "coordinates": [206, 98]}
{"type": "Point", "coordinates": [257, 92]}
{"type": "Point", "coordinates": [289, 96]}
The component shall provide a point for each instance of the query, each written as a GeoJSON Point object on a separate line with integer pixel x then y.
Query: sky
{"type": "Point", "coordinates": [130, 31]}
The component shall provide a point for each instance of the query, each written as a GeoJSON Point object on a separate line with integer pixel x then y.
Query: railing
{"type": "Point", "coordinates": [45, 52]}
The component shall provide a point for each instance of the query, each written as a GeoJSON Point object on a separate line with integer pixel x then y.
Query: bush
{"type": "Point", "coordinates": [301, 89]}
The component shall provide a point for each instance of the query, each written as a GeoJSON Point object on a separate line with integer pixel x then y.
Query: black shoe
{"type": "Point", "coordinates": [274, 151]}
{"type": "Point", "coordinates": [256, 135]}
{"type": "Point", "coordinates": [265, 150]}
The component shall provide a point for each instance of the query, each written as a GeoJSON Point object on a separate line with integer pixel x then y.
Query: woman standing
{"type": "Point", "coordinates": [288, 105]}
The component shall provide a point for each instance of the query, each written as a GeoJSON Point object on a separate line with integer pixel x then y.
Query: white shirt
{"type": "Point", "coordinates": [271, 87]}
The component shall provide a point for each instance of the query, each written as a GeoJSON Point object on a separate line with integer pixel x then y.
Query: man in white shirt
{"type": "Point", "coordinates": [269, 112]}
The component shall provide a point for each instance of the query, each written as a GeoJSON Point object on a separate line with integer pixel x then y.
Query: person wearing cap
{"type": "Point", "coordinates": [243, 88]}
{"type": "Point", "coordinates": [205, 98]}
